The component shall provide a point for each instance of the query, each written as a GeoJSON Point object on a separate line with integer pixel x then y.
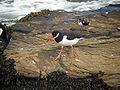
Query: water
{"type": "Point", "coordinates": [15, 9]}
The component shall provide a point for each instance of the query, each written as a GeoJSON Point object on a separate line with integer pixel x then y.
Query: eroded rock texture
{"type": "Point", "coordinates": [98, 52]}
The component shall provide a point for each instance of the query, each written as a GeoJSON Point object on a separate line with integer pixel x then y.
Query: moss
{"type": "Point", "coordinates": [34, 14]}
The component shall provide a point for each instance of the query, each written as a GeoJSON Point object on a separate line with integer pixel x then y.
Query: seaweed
{"type": "Point", "coordinates": [57, 80]}
{"type": "Point", "coordinates": [31, 15]}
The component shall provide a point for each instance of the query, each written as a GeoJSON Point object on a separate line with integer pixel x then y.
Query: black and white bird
{"type": "Point", "coordinates": [84, 21]}
{"type": "Point", "coordinates": [3, 33]}
{"type": "Point", "coordinates": [66, 38]}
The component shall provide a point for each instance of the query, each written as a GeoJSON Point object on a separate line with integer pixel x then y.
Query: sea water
{"type": "Point", "coordinates": [11, 10]}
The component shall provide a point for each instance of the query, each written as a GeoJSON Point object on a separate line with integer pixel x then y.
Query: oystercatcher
{"type": "Point", "coordinates": [84, 21]}
{"type": "Point", "coordinates": [3, 33]}
{"type": "Point", "coordinates": [66, 38]}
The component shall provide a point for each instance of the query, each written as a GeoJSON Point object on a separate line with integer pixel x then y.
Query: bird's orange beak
{"type": "Point", "coordinates": [50, 38]}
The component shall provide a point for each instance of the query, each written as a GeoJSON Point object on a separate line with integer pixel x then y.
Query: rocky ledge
{"type": "Point", "coordinates": [99, 52]}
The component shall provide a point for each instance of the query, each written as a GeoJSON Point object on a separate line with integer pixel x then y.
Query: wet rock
{"type": "Point", "coordinates": [99, 51]}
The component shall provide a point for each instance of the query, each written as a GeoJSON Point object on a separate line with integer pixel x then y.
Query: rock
{"type": "Point", "coordinates": [30, 16]}
{"type": "Point", "coordinates": [100, 51]}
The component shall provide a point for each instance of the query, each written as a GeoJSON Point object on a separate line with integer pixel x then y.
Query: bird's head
{"type": "Point", "coordinates": [55, 34]}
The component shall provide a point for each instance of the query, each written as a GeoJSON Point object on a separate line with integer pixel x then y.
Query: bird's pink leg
{"type": "Point", "coordinates": [72, 52]}
{"type": "Point", "coordinates": [58, 57]}
{"type": "Point", "coordinates": [87, 30]}
{"type": "Point", "coordinates": [81, 28]}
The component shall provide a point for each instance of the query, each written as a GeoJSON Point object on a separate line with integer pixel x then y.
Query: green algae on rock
{"type": "Point", "coordinates": [34, 14]}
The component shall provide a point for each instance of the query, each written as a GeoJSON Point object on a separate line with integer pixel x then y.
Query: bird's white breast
{"type": "Point", "coordinates": [1, 30]}
{"type": "Point", "coordinates": [80, 23]}
{"type": "Point", "coordinates": [66, 42]}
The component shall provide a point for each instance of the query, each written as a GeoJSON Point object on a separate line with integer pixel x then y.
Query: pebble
{"type": "Point", "coordinates": [21, 48]}
{"type": "Point", "coordinates": [66, 71]}
{"type": "Point", "coordinates": [33, 62]}
{"type": "Point", "coordinates": [112, 55]}
{"type": "Point", "coordinates": [106, 12]}
{"type": "Point", "coordinates": [63, 55]}
{"type": "Point", "coordinates": [28, 25]}
{"type": "Point", "coordinates": [77, 60]}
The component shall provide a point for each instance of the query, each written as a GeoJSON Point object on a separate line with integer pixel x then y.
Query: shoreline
{"type": "Point", "coordinates": [107, 9]}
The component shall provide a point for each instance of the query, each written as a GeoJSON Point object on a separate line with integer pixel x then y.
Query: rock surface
{"type": "Point", "coordinates": [100, 52]}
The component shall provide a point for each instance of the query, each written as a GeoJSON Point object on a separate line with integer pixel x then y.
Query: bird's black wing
{"type": "Point", "coordinates": [71, 34]}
